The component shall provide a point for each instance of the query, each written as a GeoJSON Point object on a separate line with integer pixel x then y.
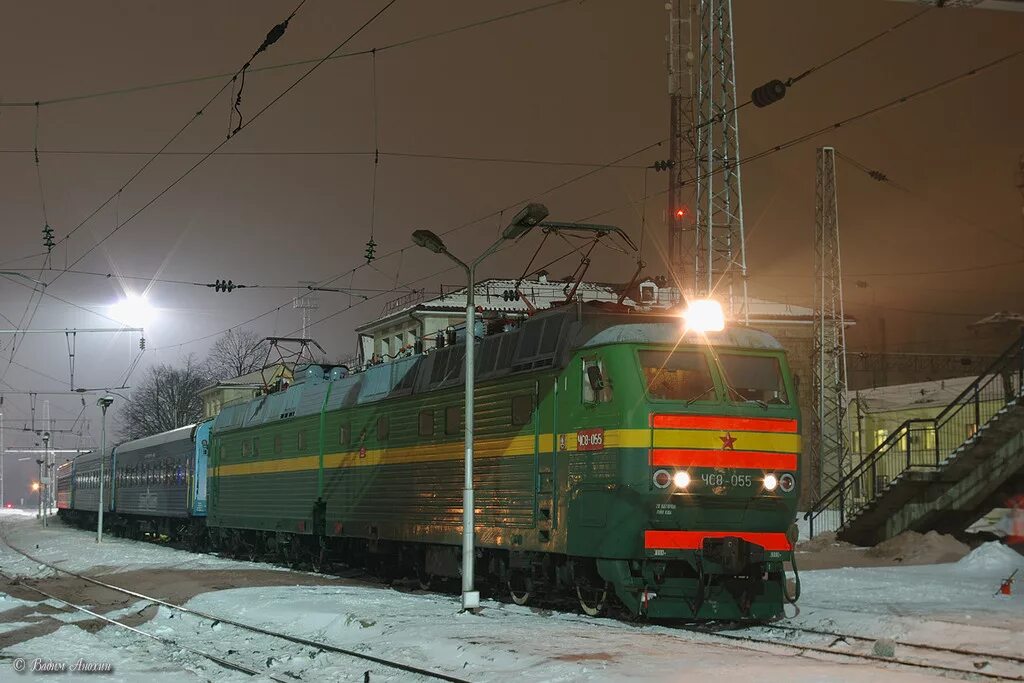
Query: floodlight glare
{"type": "Point", "coordinates": [704, 315]}
{"type": "Point", "coordinates": [531, 215]}
{"type": "Point", "coordinates": [133, 310]}
{"type": "Point", "coordinates": [428, 240]}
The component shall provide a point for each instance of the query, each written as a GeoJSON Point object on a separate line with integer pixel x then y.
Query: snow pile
{"type": "Point", "coordinates": [992, 557]}
{"type": "Point", "coordinates": [822, 542]}
{"type": "Point", "coordinates": [911, 547]}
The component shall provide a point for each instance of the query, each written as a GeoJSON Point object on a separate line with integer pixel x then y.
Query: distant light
{"type": "Point", "coordinates": [681, 479]}
{"type": "Point", "coordinates": [134, 310]}
{"type": "Point", "coordinates": [704, 315]}
{"type": "Point", "coordinates": [35, 486]}
{"type": "Point", "coordinates": [770, 482]}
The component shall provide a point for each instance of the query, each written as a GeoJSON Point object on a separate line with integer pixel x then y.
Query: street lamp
{"type": "Point", "coordinates": [44, 478]}
{"type": "Point", "coordinates": [39, 488]}
{"type": "Point", "coordinates": [523, 221]}
{"type": "Point", "coordinates": [103, 403]}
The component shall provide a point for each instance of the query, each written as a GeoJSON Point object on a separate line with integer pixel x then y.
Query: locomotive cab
{"type": "Point", "coordinates": [685, 473]}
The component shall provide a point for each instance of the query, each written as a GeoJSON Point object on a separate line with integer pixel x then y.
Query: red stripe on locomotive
{"type": "Point", "coordinates": [694, 540]}
{"type": "Point", "coordinates": [723, 423]}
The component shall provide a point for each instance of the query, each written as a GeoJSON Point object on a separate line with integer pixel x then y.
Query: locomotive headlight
{"type": "Point", "coordinates": [681, 479]}
{"type": "Point", "coordinates": [770, 482]}
{"type": "Point", "coordinates": [704, 315]}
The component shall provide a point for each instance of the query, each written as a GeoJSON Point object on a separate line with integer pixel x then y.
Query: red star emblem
{"type": "Point", "coordinates": [727, 441]}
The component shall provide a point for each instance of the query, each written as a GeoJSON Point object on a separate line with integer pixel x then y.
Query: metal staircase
{"type": "Point", "coordinates": [938, 473]}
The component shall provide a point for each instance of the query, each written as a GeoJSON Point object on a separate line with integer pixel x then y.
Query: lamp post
{"type": "Point", "coordinates": [44, 483]}
{"type": "Point", "coordinates": [103, 403]}
{"type": "Point", "coordinates": [526, 219]}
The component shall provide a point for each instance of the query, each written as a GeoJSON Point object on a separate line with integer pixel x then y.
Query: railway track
{"type": "Point", "coordinates": [215, 619]}
{"type": "Point", "coordinates": [952, 661]}
{"type": "Point", "coordinates": [949, 660]}
{"type": "Point", "coordinates": [969, 664]}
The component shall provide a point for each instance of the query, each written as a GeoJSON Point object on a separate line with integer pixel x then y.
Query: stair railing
{"type": "Point", "coordinates": [924, 444]}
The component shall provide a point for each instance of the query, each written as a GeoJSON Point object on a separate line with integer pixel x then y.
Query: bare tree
{"type": "Point", "coordinates": [235, 354]}
{"type": "Point", "coordinates": [166, 399]}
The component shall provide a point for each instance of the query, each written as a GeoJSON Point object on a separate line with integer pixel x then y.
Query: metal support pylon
{"type": "Point", "coordinates": [682, 59]}
{"type": "Point", "coordinates": [720, 259]}
{"type": "Point", "coordinates": [829, 448]}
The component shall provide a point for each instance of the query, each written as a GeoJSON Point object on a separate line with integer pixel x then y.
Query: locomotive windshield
{"type": "Point", "coordinates": [753, 378]}
{"type": "Point", "coordinates": [677, 376]}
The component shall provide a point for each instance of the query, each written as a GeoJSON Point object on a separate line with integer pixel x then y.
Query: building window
{"type": "Point", "coordinates": [452, 420]}
{"type": "Point", "coordinates": [383, 428]}
{"type": "Point", "coordinates": [426, 423]}
{"type": "Point", "coordinates": [522, 409]}
{"type": "Point", "coordinates": [880, 436]}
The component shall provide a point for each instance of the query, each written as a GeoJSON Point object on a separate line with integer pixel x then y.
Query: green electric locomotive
{"type": "Point", "coordinates": [617, 456]}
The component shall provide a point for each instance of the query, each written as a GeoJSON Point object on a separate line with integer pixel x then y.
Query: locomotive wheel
{"type": "Point", "coordinates": [592, 600]}
{"type": "Point", "coordinates": [518, 598]}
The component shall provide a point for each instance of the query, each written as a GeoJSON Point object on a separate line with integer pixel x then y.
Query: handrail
{"type": "Point", "coordinates": [1011, 359]}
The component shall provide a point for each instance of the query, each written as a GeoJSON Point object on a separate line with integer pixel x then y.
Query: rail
{"type": "Point", "coordinates": [925, 444]}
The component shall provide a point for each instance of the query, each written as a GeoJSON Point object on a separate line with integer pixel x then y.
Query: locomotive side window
{"type": "Point", "coordinates": [596, 386]}
{"type": "Point", "coordinates": [452, 420]}
{"type": "Point", "coordinates": [300, 440]}
{"type": "Point", "coordinates": [343, 434]}
{"type": "Point", "coordinates": [522, 409]}
{"type": "Point", "coordinates": [753, 378]}
{"type": "Point", "coordinates": [383, 428]}
{"type": "Point", "coordinates": [278, 446]}
{"type": "Point", "coordinates": [677, 376]}
{"type": "Point", "coordinates": [256, 446]}
{"type": "Point", "coordinates": [426, 423]}
{"type": "Point", "coordinates": [246, 448]}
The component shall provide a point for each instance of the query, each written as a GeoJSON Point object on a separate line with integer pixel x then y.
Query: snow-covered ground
{"type": "Point", "coordinates": [951, 604]}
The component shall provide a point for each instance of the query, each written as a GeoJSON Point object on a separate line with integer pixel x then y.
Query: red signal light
{"type": "Point", "coordinates": [682, 212]}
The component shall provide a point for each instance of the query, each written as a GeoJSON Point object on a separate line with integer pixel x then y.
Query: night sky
{"type": "Point", "coordinates": [580, 82]}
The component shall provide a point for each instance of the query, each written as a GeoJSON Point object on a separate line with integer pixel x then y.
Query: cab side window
{"type": "Point", "coordinates": [597, 387]}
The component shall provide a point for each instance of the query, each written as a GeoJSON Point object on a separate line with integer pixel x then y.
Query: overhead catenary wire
{"type": "Point", "coordinates": [248, 123]}
{"type": "Point", "coordinates": [903, 99]}
{"type": "Point", "coordinates": [351, 272]}
{"type": "Point", "coordinates": [881, 177]}
{"type": "Point", "coordinates": [326, 153]}
{"type": "Point", "coordinates": [285, 65]}
{"type": "Point", "coordinates": [159, 152]}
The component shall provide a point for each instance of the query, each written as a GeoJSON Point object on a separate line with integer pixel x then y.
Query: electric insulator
{"type": "Point", "coordinates": [142, 343]}
{"type": "Point", "coordinates": [664, 164]}
{"type": "Point", "coordinates": [769, 93]}
{"type": "Point", "coordinates": [371, 248]}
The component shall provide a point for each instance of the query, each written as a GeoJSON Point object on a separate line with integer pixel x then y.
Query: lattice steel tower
{"type": "Point", "coordinates": [829, 449]}
{"type": "Point", "coordinates": [682, 142]}
{"type": "Point", "coordinates": [721, 259]}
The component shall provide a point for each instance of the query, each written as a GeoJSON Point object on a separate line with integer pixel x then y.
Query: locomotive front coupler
{"type": "Point", "coordinates": [732, 554]}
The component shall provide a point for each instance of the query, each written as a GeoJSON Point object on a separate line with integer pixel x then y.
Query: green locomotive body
{"type": "Point", "coordinates": [612, 453]}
